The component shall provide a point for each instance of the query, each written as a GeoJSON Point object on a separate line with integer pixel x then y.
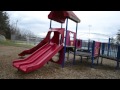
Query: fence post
{"type": "Point", "coordinates": [118, 57]}
{"type": "Point", "coordinates": [103, 48]}
{"type": "Point", "coordinates": [93, 48]}
{"type": "Point", "coordinates": [89, 45]}
{"type": "Point", "coordinates": [108, 47]}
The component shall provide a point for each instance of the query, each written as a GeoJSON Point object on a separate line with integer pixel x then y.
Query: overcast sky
{"type": "Point", "coordinates": [103, 22]}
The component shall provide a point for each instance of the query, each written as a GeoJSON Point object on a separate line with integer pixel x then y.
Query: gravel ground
{"type": "Point", "coordinates": [54, 71]}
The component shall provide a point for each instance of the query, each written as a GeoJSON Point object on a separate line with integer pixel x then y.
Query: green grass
{"type": "Point", "coordinates": [12, 43]}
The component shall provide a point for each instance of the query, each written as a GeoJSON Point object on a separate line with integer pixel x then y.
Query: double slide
{"type": "Point", "coordinates": [37, 59]}
{"type": "Point", "coordinates": [40, 54]}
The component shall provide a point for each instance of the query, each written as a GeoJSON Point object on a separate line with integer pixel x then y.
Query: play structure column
{"type": "Point", "coordinates": [75, 44]}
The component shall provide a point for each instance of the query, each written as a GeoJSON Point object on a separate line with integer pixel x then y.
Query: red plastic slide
{"type": "Point", "coordinates": [38, 58]}
{"type": "Point", "coordinates": [31, 58]}
{"type": "Point", "coordinates": [42, 53]}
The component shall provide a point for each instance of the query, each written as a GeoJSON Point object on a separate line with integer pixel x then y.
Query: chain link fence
{"type": "Point", "coordinates": [28, 40]}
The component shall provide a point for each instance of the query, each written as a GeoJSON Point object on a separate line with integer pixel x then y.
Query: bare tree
{"type": "Point", "coordinates": [4, 24]}
{"type": "Point", "coordinates": [28, 33]}
{"type": "Point", "coordinates": [118, 37]}
{"type": "Point", "coordinates": [112, 40]}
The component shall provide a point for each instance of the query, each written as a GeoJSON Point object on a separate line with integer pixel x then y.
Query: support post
{"type": "Point", "coordinates": [75, 44]}
{"type": "Point", "coordinates": [65, 43]}
{"type": "Point", "coordinates": [61, 25]}
{"type": "Point", "coordinates": [50, 24]}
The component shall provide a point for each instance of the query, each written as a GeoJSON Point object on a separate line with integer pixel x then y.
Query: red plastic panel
{"type": "Point", "coordinates": [97, 48]}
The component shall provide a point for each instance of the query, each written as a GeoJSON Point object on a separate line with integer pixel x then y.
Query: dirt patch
{"type": "Point", "coordinates": [54, 71]}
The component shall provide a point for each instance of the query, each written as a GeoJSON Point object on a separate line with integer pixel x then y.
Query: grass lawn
{"type": "Point", "coordinates": [13, 43]}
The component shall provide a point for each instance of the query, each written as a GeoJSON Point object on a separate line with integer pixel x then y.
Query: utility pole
{"type": "Point", "coordinates": [16, 23]}
{"type": "Point", "coordinates": [89, 31]}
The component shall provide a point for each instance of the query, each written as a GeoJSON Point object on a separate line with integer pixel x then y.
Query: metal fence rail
{"type": "Point", "coordinates": [111, 52]}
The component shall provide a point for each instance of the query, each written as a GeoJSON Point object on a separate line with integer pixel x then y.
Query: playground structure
{"type": "Point", "coordinates": [106, 50]}
{"type": "Point", "coordinates": [91, 50]}
{"type": "Point", "coordinates": [58, 45]}
{"type": "Point", "coordinates": [44, 51]}
{"type": "Point", "coordinates": [94, 53]}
